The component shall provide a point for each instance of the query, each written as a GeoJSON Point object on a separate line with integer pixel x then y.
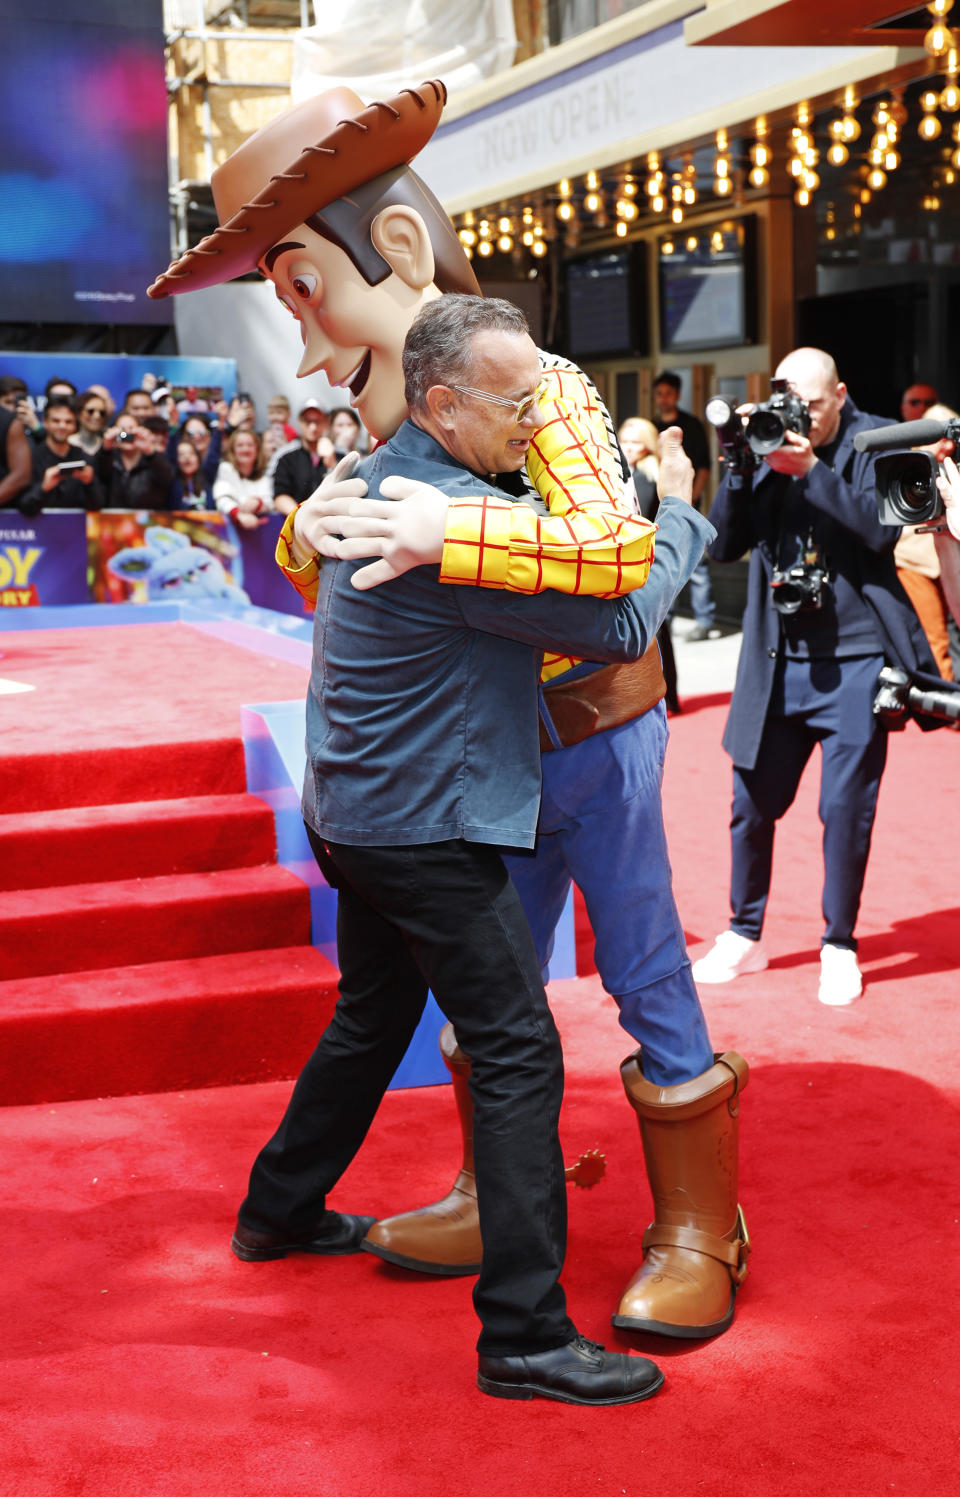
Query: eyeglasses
{"type": "Point", "coordinates": [521, 408]}
{"type": "Point", "coordinates": [94, 410]}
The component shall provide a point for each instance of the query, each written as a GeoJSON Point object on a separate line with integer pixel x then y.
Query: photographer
{"type": "Point", "coordinates": [137, 476]}
{"type": "Point", "coordinates": [824, 612]}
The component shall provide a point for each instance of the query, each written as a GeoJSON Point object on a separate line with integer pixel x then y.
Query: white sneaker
{"type": "Point", "coordinates": [730, 956]}
{"type": "Point", "coordinates": [840, 979]}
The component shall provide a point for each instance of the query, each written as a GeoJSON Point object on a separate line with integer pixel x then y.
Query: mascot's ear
{"type": "Point", "coordinates": [400, 235]}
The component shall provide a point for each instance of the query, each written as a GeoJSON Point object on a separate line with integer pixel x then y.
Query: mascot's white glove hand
{"type": "Point", "coordinates": [404, 535]}
{"type": "Point", "coordinates": [311, 533]}
{"type": "Point", "coordinates": [949, 485]}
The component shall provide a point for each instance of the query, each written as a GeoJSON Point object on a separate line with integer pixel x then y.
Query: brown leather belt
{"type": "Point", "coordinates": [611, 696]}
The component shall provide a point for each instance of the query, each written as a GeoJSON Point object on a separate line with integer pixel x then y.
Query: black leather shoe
{"type": "Point", "coordinates": [337, 1234]}
{"type": "Point", "coordinates": [580, 1372]}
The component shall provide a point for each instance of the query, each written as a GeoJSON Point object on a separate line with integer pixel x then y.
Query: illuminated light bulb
{"type": "Point", "coordinates": [539, 248]}
{"type": "Point", "coordinates": [721, 140]}
{"type": "Point", "coordinates": [676, 214]}
{"type": "Point", "coordinates": [564, 188]}
{"type": "Point", "coordinates": [759, 177]}
{"type": "Point", "coordinates": [722, 166]}
{"type": "Point", "coordinates": [627, 210]}
{"type": "Point", "coordinates": [875, 157]}
{"type": "Point", "coordinates": [655, 183]}
{"type": "Point", "coordinates": [527, 214]}
{"type": "Point", "coordinates": [877, 179]}
{"type": "Point", "coordinates": [676, 192]}
{"type": "Point", "coordinates": [939, 39]}
{"type": "Point", "coordinates": [468, 219]}
{"type": "Point", "coordinates": [838, 153]}
{"type": "Point", "coordinates": [538, 231]}
{"type": "Point", "coordinates": [831, 233]}
{"type": "Point", "coordinates": [955, 158]}
{"type": "Point", "coordinates": [468, 237]}
{"type": "Point", "coordinates": [929, 100]}
{"type": "Point", "coordinates": [940, 7]}
{"type": "Point", "coordinates": [851, 128]}
{"type": "Point", "coordinates": [693, 242]}
{"type": "Point", "coordinates": [505, 225]}
{"type": "Point", "coordinates": [891, 160]}
{"type": "Point", "coordinates": [689, 196]}
{"type": "Point", "coordinates": [526, 238]}
{"type": "Point", "coordinates": [505, 244]}
{"type": "Point", "coordinates": [929, 127]}
{"type": "Point", "coordinates": [716, 241]}
{"type": "Point", "coordinates": [802, 196]}
{"type": "Point", "coordinates": [667, 247]}
{"type": "Point", "coordinates": [795, 166]}
{"type": "Point", "coordinates": [881, 112]}
{"type": "Point", "coordinates": [593, 202]}
{"type": "Point", "coordinates": [950, 97]}
{"type": "Point", "coordinates": [811, 157]}
{"type": "Point", "coordinates": [467, 250]}
{"type": "Point", "coordinates": [810, 181]}
{"type": "Point", "coordinates": [865, 194]}
{"type": "Point", "coordinates": [760, 155]}
{"type": "Point", "coordinates": [857, 211]}
{"type": "Point", "coordinates": [835, 128]}
{"type": "Point", "coordinates": [880, 141]}
{"type": "Point", "coordinates": [485, 248]}
{"type": "Point", "coordinates": [622, 229]}
{"type": "Point", "coordinates": [723, 187]}
{"type": "Point", "coordinates": [593, 182]}
{"type": "Point", "coordinates": [485, 230]}
{"type": "Point", "coordinates": [630, 187]}
{"type": "Point", "coordinates": [760, 126]}
{"type": "Point", "coordinates": [801, 142]}
{"type": "Point", "coordinates": [565, 211]}
{"type": "Point", "coordinates": [949, 177]}
{"type": "Point", "coordinates": [931, 202]}
{"type": "Point", "coordinates": [658, 203]}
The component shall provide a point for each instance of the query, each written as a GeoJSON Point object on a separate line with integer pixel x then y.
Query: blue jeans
{"type": "Point", "coordinates": [701, 596]}
{"type": "Point", "coordinates": [601, 825]}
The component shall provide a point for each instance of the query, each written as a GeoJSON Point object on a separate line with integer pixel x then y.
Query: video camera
{"type": "Point", "coordinates": [906, 482]}
{"type": "Point", "coordinates": [743, 445]}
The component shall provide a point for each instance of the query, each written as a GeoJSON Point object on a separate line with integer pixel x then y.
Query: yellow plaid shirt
{"type": "Point", "coordinates": [591, 541]}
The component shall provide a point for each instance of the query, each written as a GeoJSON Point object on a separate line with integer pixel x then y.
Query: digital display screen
{"type": "Point", "coordinates": [705, 298]}
{"type": "Point", "coordinates": [84, 219]}
{"type": "Point", "coordinates": [606, 301]}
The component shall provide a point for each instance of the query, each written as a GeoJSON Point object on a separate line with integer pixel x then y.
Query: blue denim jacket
{"type": "Point", "coordinates": [422, 709]}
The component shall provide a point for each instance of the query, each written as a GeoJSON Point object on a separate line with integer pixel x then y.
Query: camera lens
{"type": "Point", "coordinates": [765, 431]}
{"type": "Point", "coordinates": [912, 492]}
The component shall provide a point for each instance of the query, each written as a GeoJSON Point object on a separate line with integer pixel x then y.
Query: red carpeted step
{"type": "Point", "coordinates": [84, 926]}
{"type": "Point", "coordinates": [207, 1021]}
{"type": "Point", "coordinates": [139, 839]}
{"type": "Point", "coordinates": [47, 779]}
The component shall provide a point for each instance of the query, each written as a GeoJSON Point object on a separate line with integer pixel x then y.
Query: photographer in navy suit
{"type": "Point", "coordinates": [824, 613]}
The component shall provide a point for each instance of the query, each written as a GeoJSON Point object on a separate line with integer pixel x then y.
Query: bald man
{"type": "Point", "coordinates": [813, 647]}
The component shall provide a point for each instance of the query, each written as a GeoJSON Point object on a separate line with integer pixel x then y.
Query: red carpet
{"type": "Point", "coordinates": [148, 940]}
{"type": "Point", "coordinates": [143, 1360]}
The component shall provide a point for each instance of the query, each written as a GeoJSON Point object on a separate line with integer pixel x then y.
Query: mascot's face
{"type": "Point", "coordinates": [352, 331]}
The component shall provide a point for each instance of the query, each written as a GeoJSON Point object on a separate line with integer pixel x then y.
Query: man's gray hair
{"type": "Point", "coordinates": [438, 349]}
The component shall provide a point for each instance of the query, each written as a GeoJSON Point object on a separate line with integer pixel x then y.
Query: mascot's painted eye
{"type": "Point", "coordinates": [304, 285]}
{"type": "Point", "coordinates": [288, 302]}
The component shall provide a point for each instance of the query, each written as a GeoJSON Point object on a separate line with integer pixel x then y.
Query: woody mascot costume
{"type": "Point", "coordinates": [323, 201]}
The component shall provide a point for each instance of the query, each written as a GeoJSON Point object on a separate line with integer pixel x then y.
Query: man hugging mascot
{"type": "Point", "coordinates": [324, 202]}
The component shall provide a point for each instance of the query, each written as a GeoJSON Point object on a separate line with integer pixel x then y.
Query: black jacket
{"type": "Point", "coordinates": [867, 610]}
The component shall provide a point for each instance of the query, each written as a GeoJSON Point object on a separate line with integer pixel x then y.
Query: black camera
{"type": "Point", "coordinates": [897, 700]}
{"type": "Point", "coordinates": [124, 436]}
{"type": "Point", "coordinates": [799, 589]}
{"type": "Point", "coordinates": [769, 422]}
{"type": "Point", "coordinates": [906, 488]}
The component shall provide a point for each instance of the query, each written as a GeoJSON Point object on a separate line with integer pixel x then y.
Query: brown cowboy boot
{"type": "Point", "coordinates": [696, 1248]}
{"type": "Point", "coordinates": [443, 1238]}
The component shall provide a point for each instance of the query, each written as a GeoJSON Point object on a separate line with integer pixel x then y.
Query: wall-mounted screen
{"type": "Point", "coordinates": [85, 224]}
{"type": "Point", "coordinates": [606, 304]}
{"type": "Point", "coordinates": [707, 286]}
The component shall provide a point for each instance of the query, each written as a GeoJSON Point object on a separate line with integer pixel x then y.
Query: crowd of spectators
{"type": "Point", "coordinates": [164, 449]}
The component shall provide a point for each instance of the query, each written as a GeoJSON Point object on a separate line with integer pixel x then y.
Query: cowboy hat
{"type": "Point", "coordinates": [273, 181]}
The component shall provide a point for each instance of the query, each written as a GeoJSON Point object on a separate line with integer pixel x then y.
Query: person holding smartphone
{"type": "Point", "coordinates": [63, 478]}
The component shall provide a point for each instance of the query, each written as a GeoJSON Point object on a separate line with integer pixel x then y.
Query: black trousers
{"type": "Point", "coordinates": [442, 915]}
